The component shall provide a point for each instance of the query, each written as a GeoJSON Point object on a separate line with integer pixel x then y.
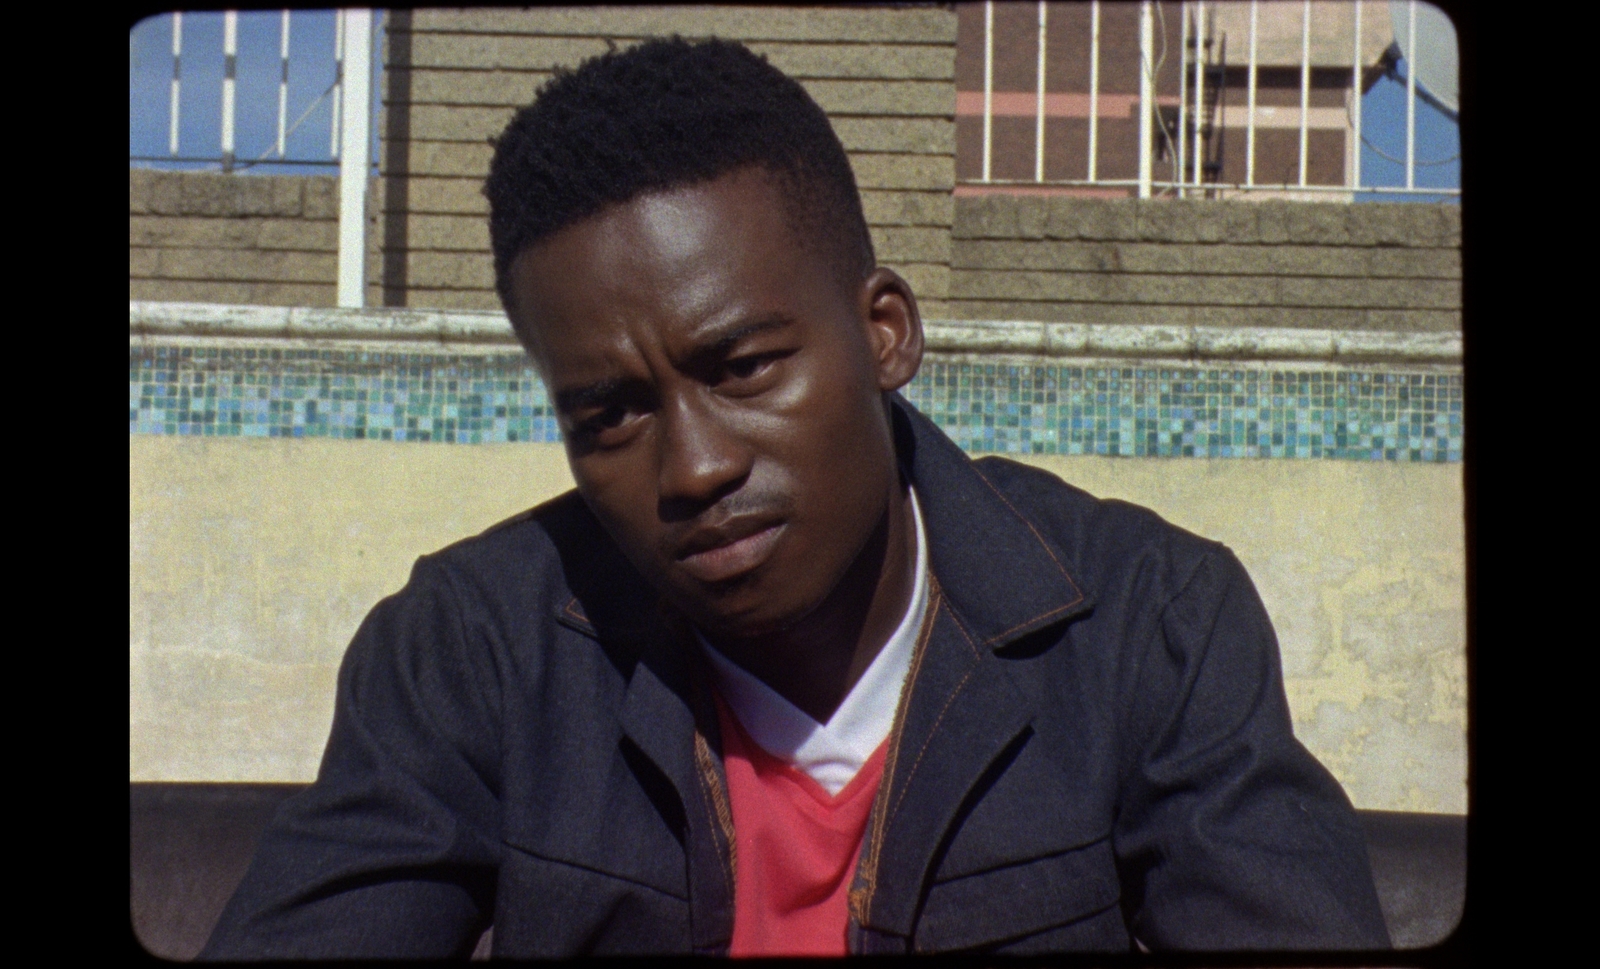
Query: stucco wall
{"type": "Point", "coordinates": [252, 563]}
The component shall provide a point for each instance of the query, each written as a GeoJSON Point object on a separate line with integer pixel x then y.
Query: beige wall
{"type": "Point", "coordinates": [252, 562]}
{"type": "Point", "coordinates": [887, 78]}
{"type": "Point", "coordinates": [206, 237]}
{"type": "Point", "coordinates": [1193, 262]}
{"type": "Point", "coordinates": [453, 78]}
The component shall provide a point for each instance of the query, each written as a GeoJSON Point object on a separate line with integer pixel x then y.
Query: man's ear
{"type": "Point", "coordinates": [894, 328]}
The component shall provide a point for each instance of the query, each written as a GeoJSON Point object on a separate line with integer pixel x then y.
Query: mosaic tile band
{"type": "Point", "coordinates": [1140, 409]}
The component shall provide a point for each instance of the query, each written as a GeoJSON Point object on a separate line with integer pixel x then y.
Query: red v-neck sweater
{"type": "Point", "coordinates": [796, 848]}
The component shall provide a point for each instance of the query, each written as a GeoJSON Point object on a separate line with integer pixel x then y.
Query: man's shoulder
{"type": "Point", "coordinates": [527, 554]}
{"type": "Point", "coordinates": [1098, 535]}
{"type": "Point", "coordinates": [525, 538]}
{"type": "Point", "coordinates": [554, 555]}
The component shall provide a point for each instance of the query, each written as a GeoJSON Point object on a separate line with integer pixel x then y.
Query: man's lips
{"type": "Point", "coordinates": [730, 555]}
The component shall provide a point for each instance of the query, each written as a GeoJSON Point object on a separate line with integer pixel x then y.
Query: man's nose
{"type": "Point", "coordinates": [700, 459]}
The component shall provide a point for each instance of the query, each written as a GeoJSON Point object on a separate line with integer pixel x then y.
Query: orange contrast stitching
{"type": "Point", "coordinates": [937, 720]}
{"type": "Point", "coordinates": [574, 612]}
{"type": "Point", "coordinates": [719, 804]}
{"type": "Point", "coordinates": [1040, 538]}
{"type": "Point", "coordinates": [860, 899]}
{"type": "Point", "coordinates": [1042, 615]}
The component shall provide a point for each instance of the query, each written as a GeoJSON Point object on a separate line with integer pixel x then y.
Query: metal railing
{"type": "Point", "coordinates": [349, 135]}
{"type": "Point", "coordinates": [1188, 138]}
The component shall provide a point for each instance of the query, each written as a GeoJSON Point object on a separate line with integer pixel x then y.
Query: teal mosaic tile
{"type": "Point", "coordinates": [1166, 411]}
{"type": "Point", "coordinates": [1132, 410]}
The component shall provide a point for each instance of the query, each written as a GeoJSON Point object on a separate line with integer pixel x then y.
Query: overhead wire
{"type": "Point", "coordinates": [1151, 73]}
{"type": "Point", "coordinates": [1392, 72]}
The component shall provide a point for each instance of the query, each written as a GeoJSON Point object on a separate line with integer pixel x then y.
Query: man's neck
{"type": "Point", "coordinates": [815, 663]}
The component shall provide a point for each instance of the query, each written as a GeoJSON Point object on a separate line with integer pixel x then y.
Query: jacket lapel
{"type": "Point", "coordinates": [665, 713]}
{"type": "Point", "coordinates": [996, 579]}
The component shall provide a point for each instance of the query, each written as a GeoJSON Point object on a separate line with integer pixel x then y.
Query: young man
{"type": "Point", "coordinates": [788, 673]}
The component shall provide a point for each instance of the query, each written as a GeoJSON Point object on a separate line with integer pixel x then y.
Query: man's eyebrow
{"type": "Point", "coordinates": [718, 342]}
{"type": "Point", "coordinates": [590, 395]}
{"type": "Point", "coordinates": [714, 344]}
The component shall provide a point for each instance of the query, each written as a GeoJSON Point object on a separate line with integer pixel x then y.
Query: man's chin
{"type": "Point", "coordinates": [739, 609]}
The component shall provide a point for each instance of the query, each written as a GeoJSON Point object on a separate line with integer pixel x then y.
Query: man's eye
{"type": "Point", "coordinates": [746, 367]}
{"type": "Point", "coordinates": [611, 417]}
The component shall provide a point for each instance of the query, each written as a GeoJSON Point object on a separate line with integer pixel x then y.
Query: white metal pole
{"type": "Point", "coordinates": [1199, 86]}
{"type": "Point", "coordinates": [283, 78]}
{"type": "Point", "coordinates": [1355, 104]}
{"type": "Point", "coordinates": [988, 86]}
{"type": "Point", "coordinates": [172, 110]}
{"type": "Point", "coordinates": [1094, 85]}
{"type": "Point", "coordinates": [1411, 94]}
{"type": "Point", "coordinates": [1147, 94]}
{"type": "Point", "coordinates": [1038, 135]}
{"type": "Point", "coordinates": [338, 82]}
{"type": "Point", "coordinates": [230, 52]}
{"type": "Point", "coordinates": [1305, 86]}
{"type": "Point", "coordinates": [356, 120]}
{"type": "Point", "coordinates": [1183, 95]}
{"type": "Point", "coordinates": [1250, 107]}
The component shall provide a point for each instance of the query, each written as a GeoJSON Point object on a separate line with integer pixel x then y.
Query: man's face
{"type": "Point", "coordinates": [720, 391]}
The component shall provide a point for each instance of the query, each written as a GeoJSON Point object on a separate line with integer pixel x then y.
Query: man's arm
{"type": "Point", "coordinates": [393, 851]}
{"type": "Point", "coordinates": [1230, 834]}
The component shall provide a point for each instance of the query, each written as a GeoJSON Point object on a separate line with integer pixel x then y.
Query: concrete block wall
{"type": "Point", "coordinates": [886, 75]}
{"type": "Point", "coordinates": [1206, 263]}
{"type": "Point", "coordinates": [214, 238]}
{"type": "Point", "coordinates": [453, 78]}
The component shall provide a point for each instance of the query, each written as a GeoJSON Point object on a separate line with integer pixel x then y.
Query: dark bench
{"type": "Point", "coordinates": [190, 845]}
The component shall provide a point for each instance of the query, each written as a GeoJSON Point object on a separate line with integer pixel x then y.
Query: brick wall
{"type": "Point", "coordinates": [214, 238]}
{"type": "Point", "coordinates": [1194, 262]}
{"type": "Point", "coordinates": [453, 78]}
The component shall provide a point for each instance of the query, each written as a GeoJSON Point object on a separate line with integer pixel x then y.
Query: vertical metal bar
{"type": "Point", "coordinates": [1199, 86]}
{"type": "Point", "coordinates": [1305, 86]}
{"type": "Point", "coordinates": [1355, 104]}
{"type": "Point", "coordinates": [338, 82]}
{"type": "Point", "coordinates": [1183, 94]}
{"type": "Point", "coordinates": [1094, 86]}
{"type": "Point", "coordinates": [1038, 135]}
{"type": "Point", "coordinates": [356, 120]}
{"type": "Point", "coordinates": [1147, 93]}
{"type": "Point", "coordinates": [172, 109]}
{"type": "Point", "coordinates": [1250, 105]}
{"type": "Point", "coordinates": [230, 56]}
{"type": "Point", "coordinates": [988, 86]}
{"type": "Point", "coordinates": [1411, 94]}
{"type": "Point", "coordinates": [283, 77]}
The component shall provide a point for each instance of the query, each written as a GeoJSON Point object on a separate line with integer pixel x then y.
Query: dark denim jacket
{"type": "Point", "coordinates": [1094, 747]}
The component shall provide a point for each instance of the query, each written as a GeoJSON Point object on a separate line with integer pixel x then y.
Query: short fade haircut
{"type": "Point", "coordinates": [665, 114]}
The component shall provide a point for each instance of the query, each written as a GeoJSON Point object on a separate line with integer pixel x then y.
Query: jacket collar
{"type": "Point", "coordinates": [998, 572]}
{"type": "Point", "coordinates": [997, 579]}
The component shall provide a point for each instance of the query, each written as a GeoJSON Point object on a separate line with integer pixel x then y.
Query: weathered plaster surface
{"type": "Point", "coordinates": [1362, 568]}
{"type": "Point", "coordinates": [251, 564]}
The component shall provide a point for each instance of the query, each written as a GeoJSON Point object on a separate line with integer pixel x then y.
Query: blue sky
{"type": "Point", "coordinates": [1383, 124]}
{"type": "Point", "coordinates": [311, 71]}
{"type": "Point", "coordinates": [311, 35]}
